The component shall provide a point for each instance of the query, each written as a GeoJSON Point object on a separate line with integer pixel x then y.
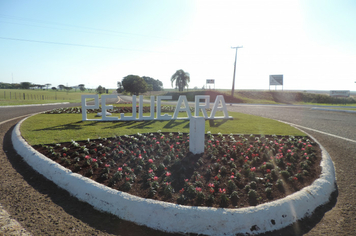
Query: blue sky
{"type": "Point", "coordinates": [310, 42]}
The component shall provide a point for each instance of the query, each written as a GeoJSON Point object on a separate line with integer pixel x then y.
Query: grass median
{"type": "Point", "coordinates": [58, 128]}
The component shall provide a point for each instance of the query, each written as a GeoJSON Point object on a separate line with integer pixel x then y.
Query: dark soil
{"type": "Point", "coordinates": [216, 178]}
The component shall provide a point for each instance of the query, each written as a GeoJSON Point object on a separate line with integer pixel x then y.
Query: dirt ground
{"type": "Point", "coordinates": [44, 209]}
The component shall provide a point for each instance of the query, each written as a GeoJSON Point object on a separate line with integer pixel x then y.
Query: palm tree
{"type": "Point", "coordinates": [182, 79]}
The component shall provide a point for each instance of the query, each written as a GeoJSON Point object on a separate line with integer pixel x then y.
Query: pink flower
{"type": "Point", "coordinates": [94, 160]}
{"type": "Point", "coordinates": [181, 191]}
{"type": "Point", "coordinates": [107, 165]}
{"type": "Point", "coordinates": [150, 160]}
{"type": "Point", "coordinates": [177, 143]}
{"type": "Point", "coordinates": [87, 157]}
{"type": "Point", "coordinates": [222, 190]}
{"type": "Point", "coordinates": [157, 142]}
{"type": "Point", "coordinates": [186, 180]}
{"type": "Point", "coordinates": [119, 169]}
{"type": "Point", "coordinates": [150, 170]}
{"type": "Point", "coordinates": [127, 178]}
{"type": "Point", "coordinates": [198, 189]}
{"type": "Point", "coordinates": [253, 169]}
{"type": "Point", "coordinates": [168, 174]}
{"type": "Point", "coordinates": [155, 178]}
{"type": "Point", "coordinates": [211, 190]}
{"type": "Point", "coordinates": [211, 185]}
{"type": "Point", "coordinates": [232, 177]}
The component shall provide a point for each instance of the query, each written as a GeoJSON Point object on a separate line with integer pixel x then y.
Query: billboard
{"type": "Point", "coordinates": [210, 81]}
{"type": "Point", "coordinates": [276, 80]}
{"type": "Point", "coordinates": [340, 93]}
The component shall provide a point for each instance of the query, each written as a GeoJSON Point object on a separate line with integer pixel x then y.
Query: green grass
{"type": "Point", "coordinates": [29, 96]}
{"type": "Point", "coordinates": [49, 128]}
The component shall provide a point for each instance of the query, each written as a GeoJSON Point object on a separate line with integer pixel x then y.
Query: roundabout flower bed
{"type": "Point", "coordinates": [177, 218]}
{"type": "Point", "coordinates": [235, 171]}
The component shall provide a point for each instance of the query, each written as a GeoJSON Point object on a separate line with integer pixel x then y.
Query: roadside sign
{"type": "Point", "coordinates": [210, 81]}
{"type": "Point", "coordinates": [276, 80]}
{"type": "Point", "coordinates": [340, 93]}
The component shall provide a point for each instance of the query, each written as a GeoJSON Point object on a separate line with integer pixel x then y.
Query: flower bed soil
{"type": "Point", "coordinates": [234, 171]}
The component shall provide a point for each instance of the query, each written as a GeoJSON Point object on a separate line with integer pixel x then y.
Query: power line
{"type": "Point", "coordinates": [77, 26]}
{"type": "Point", "coordinates": [78, 45]}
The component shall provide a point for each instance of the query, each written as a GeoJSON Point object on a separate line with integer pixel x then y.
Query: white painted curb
{"type": "Point", "coordinates": [171, 217]}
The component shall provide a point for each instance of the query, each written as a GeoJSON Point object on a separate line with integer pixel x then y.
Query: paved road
{"type": "Point", "coordinates": [336, 131]}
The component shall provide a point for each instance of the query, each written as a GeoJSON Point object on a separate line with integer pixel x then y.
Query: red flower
{"type": "Point", "coordinates": [268, 171]}
{"type": "Point", "coordinates": [94, 160]}
{"type": "Point", "coordinates": [222, 190]}
{"type": "Point", "coordinates": [64, 154]}
{"type": "Point", "coordinates": [168, 174]}
{"type": "Point", "coordinates": [198, 189]}
{"type": "Point", "coordinates": [211, 190]}
{"type": "Point", "coordinates": [150, 160]}
{"type": "Point", "coordinates": [211, 185]}
{"type": "Point", "coordinates": [181, 191]}
{"type": "Point", "coordinates": [253, 169]}
{"type": "Point", "coordinates": [216, 177]}
{"type": "Point", "coordinates": [119, 169]}
{"type": "Point", "coordinates": [87, 157]}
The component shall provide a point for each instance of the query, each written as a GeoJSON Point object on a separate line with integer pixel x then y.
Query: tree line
{"type": "Point", "coordinates": [135, 84]}
{"type": "Point", "coordinates": [29, 85]}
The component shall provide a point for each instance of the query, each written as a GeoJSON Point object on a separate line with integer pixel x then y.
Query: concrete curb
{"type": "Point", "coordinates": [171, 217]}
{"type": "Point", "coordinates": [36, 105]}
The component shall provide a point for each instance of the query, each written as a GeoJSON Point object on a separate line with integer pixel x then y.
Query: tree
{"type": "Point", "coordinates": [119, 87]}
{"type": "Point", "coordinates": [81, 87]}
{"type": "Point", "coordinates": [181, 78]}
{"type": "Point", "coordinates": [25, 85]}
{"type": "Point", "coordinates": [61, 87]}
{"type": "Point", "coordinates": [134, 84]}
{"type": "Point", "coordinates": [156, 84]}
{"type": "Point", "coordinates": [47, 85]}
{"type": "Point", "coordinates": [100, 89]}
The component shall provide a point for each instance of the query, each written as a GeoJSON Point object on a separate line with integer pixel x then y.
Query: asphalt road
{"type": "Point", "coordinates": [336, 131]}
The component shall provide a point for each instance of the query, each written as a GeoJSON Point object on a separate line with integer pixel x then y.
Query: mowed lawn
{"type": "Point", "coordinates": [57, 128]}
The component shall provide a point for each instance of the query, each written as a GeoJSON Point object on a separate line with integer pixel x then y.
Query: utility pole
{"type": "Point", "coordinates": [233, 80]}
